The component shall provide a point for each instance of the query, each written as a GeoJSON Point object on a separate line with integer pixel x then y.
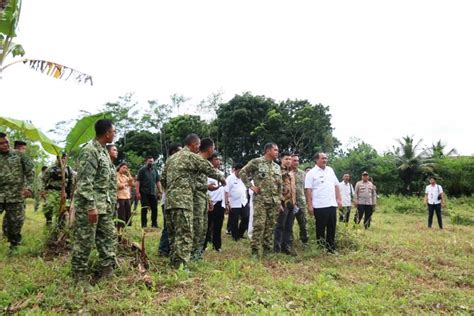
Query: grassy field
{"type": "Point", "coordinates": [398, 266]}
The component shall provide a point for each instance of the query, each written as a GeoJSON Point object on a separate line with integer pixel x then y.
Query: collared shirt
{"type": "Point", "coordinates": [237, 191]}
{"type": "Point", "coordinates": [266, 175]}
{"type": "Point", "coordinates": [433, 191]}
{"type": "Point", "coordinates": [365, 193]}
{"type": "Point", "coordinates": [148, 177]}
{"type": "Point", "coordinates": [323, 182]}
{"type": "Point", "coordinates": [124, 181]}
{"type": "Point", "coordinates": [347, 191]}
{"type": "Point", "coordinates": [289, 187]}
{"type": "Point", "coordinates": [216, 195]}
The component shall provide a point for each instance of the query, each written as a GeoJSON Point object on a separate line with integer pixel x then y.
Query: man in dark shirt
{"type": "Point", "coordinates": [148, 188]}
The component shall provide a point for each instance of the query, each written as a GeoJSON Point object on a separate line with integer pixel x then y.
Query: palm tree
{"type": "Point", "coordinates": [412, 163]}
{"type": "Point", "coordinates": [437, 151]}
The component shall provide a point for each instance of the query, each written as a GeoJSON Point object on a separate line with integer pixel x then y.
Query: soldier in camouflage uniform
{"type": "Point", "coordinates": [94, 202]}
{"type": "Point", "coordinates": [179, 181]}
{"type": "Point", "coordinates": [267, 189]}
{"type": "Point", "coordinates": [39, 188]}
{"type": "Point", "coordinates": [201, 202]}
{"type": "Point", "coordinates": [16, 177]}
{"type": "Point", "coordinates": [300, 198]}
{"type": "Point", "coordinates": [52, 184]}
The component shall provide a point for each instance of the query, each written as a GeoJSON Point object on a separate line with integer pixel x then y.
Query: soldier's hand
{"type": "Point", "coordinates": [92, 216]}
{"type": "Point", "coordinates": [27, 193]}
{"type": "Point", "coordinates": [138, 195]}
{"type": "Point", "coordinates": [43, 195]}
{"type": "Point", "coordinates": [212, 187]}
{"type": "Point", "coordinates": [255, 189]}
{"type": "Point", "coordinates": [222, 181]}
{"type": "Point", "coordinates": [281, 209]}
{"type": "Point", "coordinates": [310, 210]}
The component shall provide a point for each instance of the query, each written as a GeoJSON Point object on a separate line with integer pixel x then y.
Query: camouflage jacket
{"type": "Point", "coordinates": [94, 177]}
{"type": "Point", "coordinates": [300, 196]}
{"type": "Point", "coordinates": [113, 187]}
{"type": "Point", "coordinates": [52, 179]}
{"type": "Point", "coordinates": [180, 176]}
{"type": "Point", "coordinates": [16, 175]}
{"type": "Point", "coordinates": [267, 176]}
{"type": "Point", "coordinates": [288, 196]}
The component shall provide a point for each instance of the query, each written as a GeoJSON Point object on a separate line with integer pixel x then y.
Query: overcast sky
{"type": "Point", "coordinates": [386, 69]}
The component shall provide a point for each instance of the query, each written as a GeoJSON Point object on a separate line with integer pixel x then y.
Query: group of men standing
{"type": "Point", "coordinates": [193, 188]}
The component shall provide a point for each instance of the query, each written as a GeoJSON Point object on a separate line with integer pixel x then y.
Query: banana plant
{"type": "Point", "coordinates": [9, 18]}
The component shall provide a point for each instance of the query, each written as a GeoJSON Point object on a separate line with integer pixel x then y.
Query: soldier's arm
{"type": "Point", "coordinates": [164, 177]}
{"type": "Point", "coordinates": [246, 174]}
{"type": "Point", "coordinates": [204, 166]}
{"type": "Point", "coordinates": [29, 172]}
{"type": "Point", "coordinates": [86, 172]}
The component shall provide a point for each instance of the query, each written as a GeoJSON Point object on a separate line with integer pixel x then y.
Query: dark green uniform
{"type": "Point", "coordinates": [301, 203]}
{"type": "Point", "coordinates": [96, 189]}
{"type": "Point", "coordinates": [179, 181]}
{"type": "Point", "coordinates": [200, 208]}
{"type": "Point", "coordinates": [16, 175]}
{"type": "Point", "coordinates": [52, 182]}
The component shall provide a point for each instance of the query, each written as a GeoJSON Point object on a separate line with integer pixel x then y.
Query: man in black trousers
{"type": "Point", "coordinates": [148, 188]}
{"type": "Point", "coordinates": [322, 198]}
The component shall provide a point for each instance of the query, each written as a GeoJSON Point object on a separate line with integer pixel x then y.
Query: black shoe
{"type": "Point", "coordinates": [289, 251]}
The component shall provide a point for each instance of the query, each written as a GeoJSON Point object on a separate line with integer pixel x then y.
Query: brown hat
{"type": "Point", "coordinates": [365, 173]}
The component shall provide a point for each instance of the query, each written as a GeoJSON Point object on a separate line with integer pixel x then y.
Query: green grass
{"type": "Point", "coordinates": [397, 267]}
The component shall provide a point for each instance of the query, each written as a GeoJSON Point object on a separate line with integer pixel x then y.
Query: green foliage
{"type": "Point", "coordinates": [398, 266]}
{"type": "Point", "coordinates": [456, 175]}
{"type": "Point", "coordinates": [31, 133]}
{"type": "Point", "coordinates": [83, 131]}
{"type": "Point", "coordinates": [247, 122]}
{"type": "Point", "coordinates": [139, 145]}
{"type": "Point", "coordinates": [177, 128]}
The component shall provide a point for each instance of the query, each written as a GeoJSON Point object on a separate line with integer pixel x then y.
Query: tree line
{"type": "Point", "coordinates": [241, 126]}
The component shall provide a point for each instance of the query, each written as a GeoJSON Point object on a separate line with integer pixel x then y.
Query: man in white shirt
{"type": "Point", "coordinates": [322, 199]}
{"type": "Point", "coordinates": [434, 198]}
{"type": "Point", "coordinates": [215, 217]}
{"type": "Point", "coordinates": [236, 202]}
{"type": "Point", "coordinates": [347, 191]}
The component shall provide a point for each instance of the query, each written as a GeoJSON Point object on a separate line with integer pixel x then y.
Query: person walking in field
{"type": "Point", "coordinates": [267, 188]}
{"type": "Point", "coordinates": [16, 177]}
{"type": "Point", "coordinates": [322, 199]}
{"type": "Point", "coordinates": [95, 199]}
{"type": "Point", "coordinates": [365, 199]}
{"type": "Point", "coordinates": [347, 192]}
{"type": "Point", "coordinates": [435, 200]}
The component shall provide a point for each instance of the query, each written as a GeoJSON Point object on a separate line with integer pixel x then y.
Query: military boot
{"type": "Point", "coordinates": [107, 272]}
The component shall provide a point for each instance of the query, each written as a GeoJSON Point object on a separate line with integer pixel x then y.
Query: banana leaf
{"type": "Point", "coordinates": [32, 133]}
{"type": "Point", "coordinates": [83, 131]}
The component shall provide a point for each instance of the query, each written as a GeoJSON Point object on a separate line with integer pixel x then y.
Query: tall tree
{"type": "Point", "coordinates": [237, 120]}
{"type": "Point", "coordinates": [180, 126]}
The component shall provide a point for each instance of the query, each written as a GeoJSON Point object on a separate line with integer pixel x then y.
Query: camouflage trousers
{"type": "Point", "coordinates": [103, 234]}
{"type": "Point", "coordinates": [264, 221]}
{"type": "Point", "coordinates": [180, 233]}
{"type": "Point", "coordinates": [13, 221]}
{"type": "Point", "coordinates": [301, 219]}
{"type": "Point", "coordinates": [200, 207]}
{"type": "Point", "coordinates": [51, 205]}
